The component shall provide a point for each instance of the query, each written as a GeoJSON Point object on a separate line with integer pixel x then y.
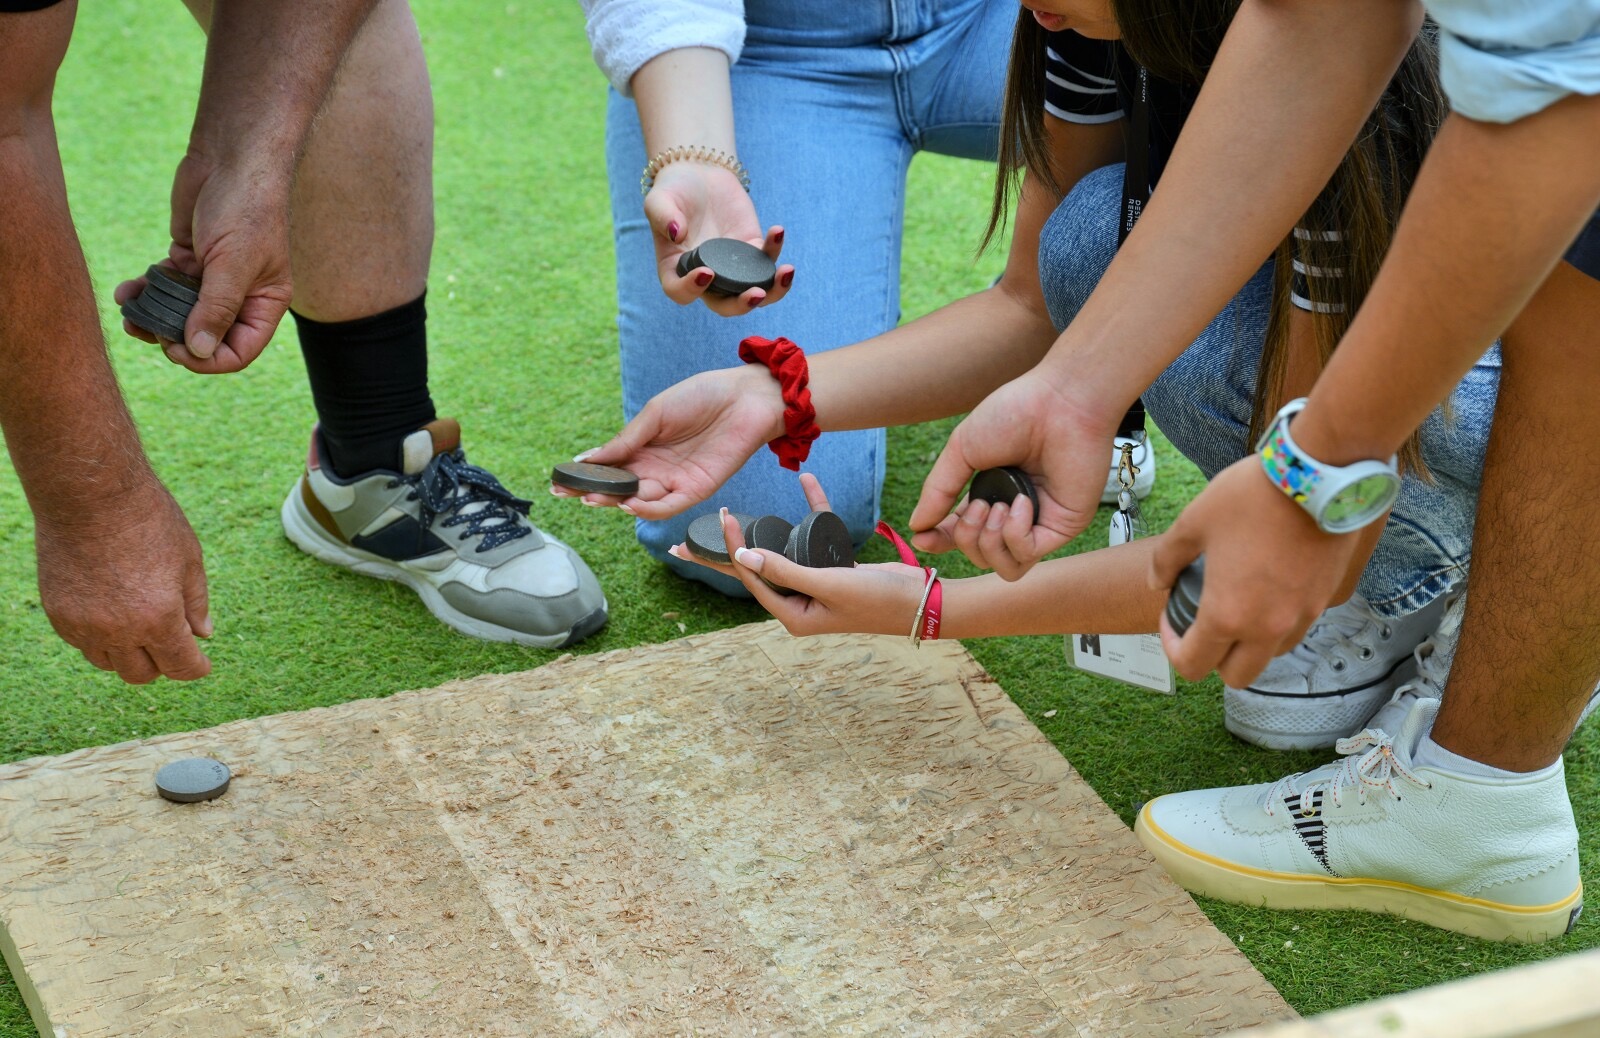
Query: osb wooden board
{"type": "Point", "coordinates": [735, 834]}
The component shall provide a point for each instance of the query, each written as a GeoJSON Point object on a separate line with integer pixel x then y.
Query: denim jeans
{"type": "Point", "coordinates": [1202, 403]}
{"type": "Point", "coordinates": [831, 100]}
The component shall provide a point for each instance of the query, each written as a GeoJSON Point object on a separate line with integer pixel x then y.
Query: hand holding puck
{"type": "Point", "coordinates": [162, 309]}
{"type": "Point", "coordinates": [1001, 487]}
{"type": "Point", "coordinates": [595, 479]}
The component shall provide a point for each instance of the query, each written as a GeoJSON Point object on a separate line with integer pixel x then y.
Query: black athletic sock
{"type": "Point", "coordinates": [369, 381]}
{"type": "Point", "coordinates": [1133, 421]}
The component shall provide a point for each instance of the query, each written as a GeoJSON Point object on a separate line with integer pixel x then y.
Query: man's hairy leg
{"type": "Point", "coordinates": [1529, 654]}
{"type": "Point", "coordinates": [120, 572]}
{"type": "Point", "coordinates": [362, 224]}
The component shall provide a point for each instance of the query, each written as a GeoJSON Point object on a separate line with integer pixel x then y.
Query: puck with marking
{"type": "Point", "coordinates": [736, 266]}
{"type": "Point", "coordinates": [193, 780]}
{"type": "Point", "coordinates": [1001, 486]}
{"type": "Point", "coordinates": [595, 479]}
{"type": "Point", "coordinates": [1183, 604]}
{"type": "Point", "coordinates": [704, 536]}
{"type": "Point", "coordinates": [821, 541]}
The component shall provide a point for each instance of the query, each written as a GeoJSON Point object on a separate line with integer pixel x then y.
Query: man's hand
{"type": "Point", "coordinates": [691, 202]}
{"type": "Point", "coordinates": [127, 588]}
{"type": "Point", "coordinates": [1270, 572]}
{"type": "Point", "coordinates": [1027, 423]}
{"type": "Point", "coordinates": [689, 439]}
{"type": "Point", "coordinates": [230, 228]}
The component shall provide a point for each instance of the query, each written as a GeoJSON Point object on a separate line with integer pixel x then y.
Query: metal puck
{"type": "Point", "coordinates": [152, 324]}
{"type": "Point", "coordinates": [1183, 604]}
{"type": "Point", "coordinates": [705, 539]}
{"type": "Point", "coordinates": [821, 541]}
{"type": "Point", "coordinates": [595, 479]}
{"type": "Point", "coordinates": [193, 780]}
{"type": "Point", "coordinates": [174, 283]}
{"type": "Point", "coordinates": [155, 307]}
{"type": "Point", "coordinates": [1001, 486]}
{"type": "Point", "coordinates": [736, 266]}
{"type": "Point", "coordinates": [770, 533]}
{"type": "Point", "coordinates": [152, 294]}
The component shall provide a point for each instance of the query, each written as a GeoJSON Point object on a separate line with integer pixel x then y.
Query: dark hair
{"type": "Point", "coordinates": [1177, 42]}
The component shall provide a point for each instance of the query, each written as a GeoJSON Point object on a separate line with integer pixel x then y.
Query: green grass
{"type": "Point", "coordinates": [525, 352]}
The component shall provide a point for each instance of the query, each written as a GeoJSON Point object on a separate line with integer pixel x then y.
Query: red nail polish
{"type": "Point", "coordinates": [755, 301]}
{"type": "Point", "coordinates": [788, 279]}
{"type": "Point", "coordinates": [672, 231]}
{"type": "Point", "coordinates": [777, 239]}
{"type": "Point", "coordinates": [703, 278]}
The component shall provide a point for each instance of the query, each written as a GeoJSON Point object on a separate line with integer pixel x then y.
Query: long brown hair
{"type": "Point", "coordinates": [1177, 42]}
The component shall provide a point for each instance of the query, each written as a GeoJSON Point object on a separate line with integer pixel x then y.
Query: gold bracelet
{"type": "Point", "coordinates": [693, 153]}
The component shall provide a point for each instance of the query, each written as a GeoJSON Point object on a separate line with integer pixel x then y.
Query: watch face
{"type": "Point", "coordinates": [1359, 503]}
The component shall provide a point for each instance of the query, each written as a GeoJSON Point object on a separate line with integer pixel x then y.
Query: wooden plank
{"type": "Point", "coordinates": [740, 833]}
{"type": "Point", "coordinates": [1557, 998]}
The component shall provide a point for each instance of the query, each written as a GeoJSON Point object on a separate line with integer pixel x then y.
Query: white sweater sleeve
{"type": "Point", "coordinates": [625, 34]}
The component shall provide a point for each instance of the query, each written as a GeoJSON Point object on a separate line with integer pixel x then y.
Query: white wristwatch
{"type": "Point", "coordinates": [1339, 498]}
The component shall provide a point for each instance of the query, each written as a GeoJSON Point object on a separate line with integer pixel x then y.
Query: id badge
{"type": "Point", "coordinates": [1135, 659]}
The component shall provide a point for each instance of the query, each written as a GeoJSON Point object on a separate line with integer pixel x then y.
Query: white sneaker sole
{"type": "Point", "coordinates": [1201, 873]}
{"type": "Point", "coordinates": [1308, 722]}
{"type": "Point", "coordinates": [304, 532]}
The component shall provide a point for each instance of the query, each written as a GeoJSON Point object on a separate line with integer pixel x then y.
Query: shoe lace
{"type": "Point", "coordinates": [467, 494]}
{"type": "Point", "coordinates": [1375, 768]}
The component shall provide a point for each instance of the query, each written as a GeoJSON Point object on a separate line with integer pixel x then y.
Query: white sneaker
{"type": "Point", "coordinates": [1144, 463]}
{"type": "Point", "coordinates": [1433, 659]}
{"type": "Point", "coordinates": [1346, 668]}
{"type": "Point", "coordinates": [1491, 857]}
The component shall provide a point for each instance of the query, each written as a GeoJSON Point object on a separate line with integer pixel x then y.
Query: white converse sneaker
{"type": "Point", "coordinates": [1346, 668]}
{"type": "Point", "coordinates": [450, 532]}
{"type": "Point", "coordinates": [1490, 857]}
{"type": "Point", "coordinates": [1144, 463]}
{"type": "Point", "coordinates": [1433, 659]}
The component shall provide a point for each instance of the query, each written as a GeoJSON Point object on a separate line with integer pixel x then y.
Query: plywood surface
{"type": "Point", "coordinates": [734, 834]}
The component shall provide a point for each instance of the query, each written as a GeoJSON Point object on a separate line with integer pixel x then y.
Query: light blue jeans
{"type": "Point", "coordinates": [831, 100]}
{"type": "Point", "coordinates": [1202, 403]}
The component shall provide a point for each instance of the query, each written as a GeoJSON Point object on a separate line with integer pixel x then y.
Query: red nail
{"type": "Point", "coordinates": [672, 231]}
{"type": "Point", "coordinates": [787, 279]}
{"type": "Point", "coordinates": [703, 278]}
{"type": "Point", "coordinates": [755, 301]}
{"type": "Point", "coordinates": [777, 238]}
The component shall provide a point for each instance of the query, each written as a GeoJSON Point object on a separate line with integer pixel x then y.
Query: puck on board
{"type": "Point", "coordinates": [193, 780]}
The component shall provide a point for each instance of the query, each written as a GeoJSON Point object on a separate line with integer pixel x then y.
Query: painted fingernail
{"type": "Point", "coordinates": [749, 559]}
{"type": "Point", "coordinates": [777, 238]}
{"type": "Point", "coordinates": [755, 301]}
{"type": "Point", "coordinates": [677, 552]}
{"type": "Point", "coordinates": [625, 508]}
{"type": "Point", "coordinates": [586, 455]}
{"type": "Point", "coordinates": [672, 231]}
{"type": "Point", "coordinates": [590, 504]}
{"type": "Point", "coordinates": [703, 278]}
{"type": "Point", "coordinates": [787, 279]}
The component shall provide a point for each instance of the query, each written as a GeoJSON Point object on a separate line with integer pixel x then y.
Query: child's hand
{"type": "Point", "coordinates": [881, 598]}
{"type": "Point", "coordinates": [691, 202]}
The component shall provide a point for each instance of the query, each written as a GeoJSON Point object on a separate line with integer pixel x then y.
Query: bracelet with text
{"type": "Point", "coordinates": [925, 625]}
{"type": "Point", "coordinates": [787, 362]}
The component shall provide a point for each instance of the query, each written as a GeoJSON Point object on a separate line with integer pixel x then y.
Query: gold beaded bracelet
{"type": "Point", "coordinates": [693, 153]}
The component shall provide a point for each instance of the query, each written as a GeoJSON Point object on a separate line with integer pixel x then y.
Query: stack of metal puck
{"type": "Point", "coordinates": [163, 307]}
{"type": "Point", "coordinates": [819, 541]}
{"type": "Point", "coordinates": [1183, 604]}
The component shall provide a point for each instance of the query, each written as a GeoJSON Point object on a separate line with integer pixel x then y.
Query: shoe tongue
{"type": "Point", "coordinates": [1418, 723]}
{"type": "Point", "coordinates": [1342, 621]}
{"type": "Point", "coordinates": [439, 436]}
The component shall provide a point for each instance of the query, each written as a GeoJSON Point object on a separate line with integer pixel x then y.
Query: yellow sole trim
{"type": "Point", "coordinates": [1211, 876]}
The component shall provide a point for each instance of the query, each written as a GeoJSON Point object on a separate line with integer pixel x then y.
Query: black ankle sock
{"type": "Point", "coordinates": [369, 381]}
{"type": "Point", "coordinates": [1132, 422]}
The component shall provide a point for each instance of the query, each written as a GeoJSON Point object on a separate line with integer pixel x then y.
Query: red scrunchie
{"type": "Point", "coordinates": [787, 362]}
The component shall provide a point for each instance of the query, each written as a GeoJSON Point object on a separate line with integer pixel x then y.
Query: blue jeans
{"type": "Point", "coordinates": [831, 101]}
{"type": "Point", "coordinates": [1202, 403]}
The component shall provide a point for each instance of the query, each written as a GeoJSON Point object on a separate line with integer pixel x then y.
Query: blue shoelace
{"type": "Point", "coordinates": [448, 485]}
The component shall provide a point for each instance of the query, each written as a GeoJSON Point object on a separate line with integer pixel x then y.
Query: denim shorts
{"type": "Point", "coordinates": [831, 102]}
{"type": "Point", "coordinates": [1202, 403]}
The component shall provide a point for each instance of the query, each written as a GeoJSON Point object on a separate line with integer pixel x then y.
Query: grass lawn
{"type": "Point", "coordinates": [525, 353]}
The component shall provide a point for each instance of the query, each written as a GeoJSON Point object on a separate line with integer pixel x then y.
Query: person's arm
{"type": "Point", "coordinates": [120, 571]}
{"type": "Point", "coordinates": [269, 64]}
{"type": "Point", "coordinates": [690, 438]}
{"type": "Point", "coordinates": [1279, 108]}
{"type": "Point", "coordinates": [1491, 213]}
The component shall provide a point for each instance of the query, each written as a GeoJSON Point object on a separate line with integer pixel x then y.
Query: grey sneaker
{"type": "Point", "coordinates": [454, 535]}
{"type": "Point", "coordinates": [1346, 668]}
{"type": "Point", "coordinates": [1433, 659]}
